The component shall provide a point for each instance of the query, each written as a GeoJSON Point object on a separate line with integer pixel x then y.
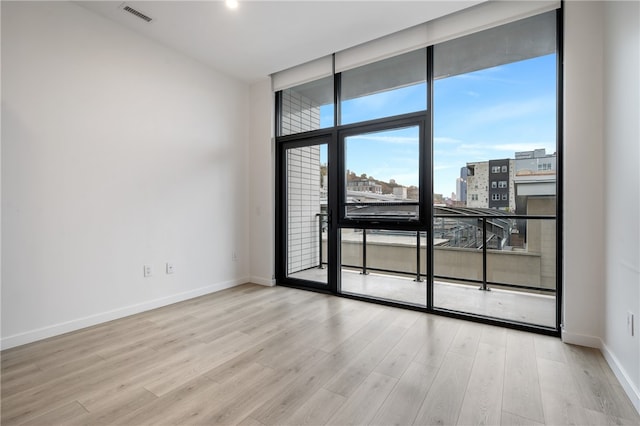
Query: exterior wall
{"type": "Point", "coordinates": [502, 175]}
{"type": "Point", "coordinates": [512, 186]}
{"type": "Point", "coordinates": [541, 237]}
{"type": "Point", "coordinates": [382, 255]}
{"type": "Point", "coordinates": [299, 113]}
{"type": "Point", "coordinates": [533, 266]}
{"type": "Point", "coordinates": [364, 185]}
{"type": "Point", "coordinates": [536, 166]}
{"type": "Point", "coordinates": [400, 192]}
{"type": "Point", "coordinates": [511, 267]}
{"type": "Point", "coordinates": [514, 267]}
{"type": "Point", "coordinates": [303, 205]}
{"type": "Point", "coordinates": [478, 185]}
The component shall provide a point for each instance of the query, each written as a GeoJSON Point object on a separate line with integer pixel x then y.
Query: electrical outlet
{"type": "Point", "coordinates": [147, 270]}
{"type": "Point", "coordinates": [630, 324]}
{"type": "Point", "coordinates": [170, 268]}
{"type": "Point", "coordinates": [234, 256]}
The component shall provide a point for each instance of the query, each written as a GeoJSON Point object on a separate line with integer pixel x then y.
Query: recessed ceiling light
{"type": "Point", "coordinates": [232, 4]}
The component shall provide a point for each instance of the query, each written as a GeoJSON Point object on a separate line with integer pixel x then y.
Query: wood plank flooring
{"type": "Point", "coordinates": [256, 355]}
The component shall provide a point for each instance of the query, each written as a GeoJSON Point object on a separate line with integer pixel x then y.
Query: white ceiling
{"type": "Point", "coordinates": [262, 37]}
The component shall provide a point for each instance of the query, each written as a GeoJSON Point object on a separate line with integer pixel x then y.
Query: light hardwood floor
{"type": "Point", "coordinates": [256, 355]}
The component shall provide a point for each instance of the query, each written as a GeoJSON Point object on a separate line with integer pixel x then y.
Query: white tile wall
{"type": "Point", "coordinates": [303, 204]}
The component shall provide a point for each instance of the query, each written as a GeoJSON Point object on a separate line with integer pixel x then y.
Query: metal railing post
{"type": "Point", "coordinates": [475, 237]}
{"type": "Point", "coordinates": [484, 255]}
{"type": "Point", "coordinates": [364, 252]}
{"type": "Point", "coordinates": [320, 239]}
{"type": "Point", "coordinates": [418, 279]}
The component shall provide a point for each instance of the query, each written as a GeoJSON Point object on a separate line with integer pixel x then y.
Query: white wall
{"type": "Point", "coordinates": [622, 189]}
{"type": "Point", "coordinates": [602, 183]}
{"type": "Point", "coordinates": [116, 152]}
{"type": "Point", "coordinates": [583, 237]}
{"type": "Point", "coordinates": [262, 166]}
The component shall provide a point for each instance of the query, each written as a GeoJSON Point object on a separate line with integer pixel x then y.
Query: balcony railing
{"type": "Point", "coordinates": [458, 241]}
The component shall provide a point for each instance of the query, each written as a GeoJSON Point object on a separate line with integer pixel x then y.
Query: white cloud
{"type": "Point", "coordinates": [470, 152]}
{"type": "Point", "coordinates": [511, 110]}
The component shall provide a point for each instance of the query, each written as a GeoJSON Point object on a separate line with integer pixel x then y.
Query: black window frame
{"type": "Point", "coordinates": [427, 185]}
{"type": "Point", "coordinates": [419, 119]}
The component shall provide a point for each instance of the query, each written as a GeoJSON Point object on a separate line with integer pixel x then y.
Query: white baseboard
{"type": "Point", "coordinates": [581, 340]}
{"type": "Point", "coordinates": [79, 323]}
{"type": "Point", "coordinates": [621, 374]}
{"type": "Point", "coordinates": [263, 281]}
{"type": "Point", "coordinates": [618, 370]}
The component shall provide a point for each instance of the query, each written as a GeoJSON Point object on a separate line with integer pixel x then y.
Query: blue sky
{"type": "Point", "coordinates": [487, 114]}
{"type": "Point", "coordinates": [491, 114]}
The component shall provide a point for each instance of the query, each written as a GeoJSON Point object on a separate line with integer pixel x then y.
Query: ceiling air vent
{"type": "Point", "coordinates": [135, 12]}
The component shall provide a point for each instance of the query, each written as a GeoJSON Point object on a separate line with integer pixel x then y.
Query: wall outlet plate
{"type": "Point", "coordinates": [147, 270]}
{"type": "Point", "coordinates": [170, 268]}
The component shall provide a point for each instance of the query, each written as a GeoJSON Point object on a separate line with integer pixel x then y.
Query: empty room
{"type": "Point", "coordinates": [320, 212]}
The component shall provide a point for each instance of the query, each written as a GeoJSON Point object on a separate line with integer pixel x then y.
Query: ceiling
{"type": "Point", "coordinates": [262, 37]}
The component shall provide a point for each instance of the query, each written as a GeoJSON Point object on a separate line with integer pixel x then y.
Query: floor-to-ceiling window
{"type": "Point", "coordinates": [495, 120]}
{"type": "Point", "coordinates": [304, 185]}
{"type": "Point", "coordinates": [382, 159]}
{"type": "Point", "coordinates": [430, 178]}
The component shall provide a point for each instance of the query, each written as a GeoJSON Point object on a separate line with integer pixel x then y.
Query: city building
{"type": "Point", "coordinates": [400, 192]}
{"type": "Point", "coordinates": [535, 177]}
{"type": "Point", "coordinates": [478, 184]}
{"type": "Point", "coordinates": [490, 184]}
{"type": "Point", "coordinates": [130, 147]}
{"type": "Point", "coordinates": [507, 184]}
{"type": "Point", "coordinates": [364, 185]}
{"type": "Point", "coordinates": [461, 185]}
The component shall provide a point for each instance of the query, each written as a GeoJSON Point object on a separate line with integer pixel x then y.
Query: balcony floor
{"type": "Point", "coordinates": [503, 304]}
